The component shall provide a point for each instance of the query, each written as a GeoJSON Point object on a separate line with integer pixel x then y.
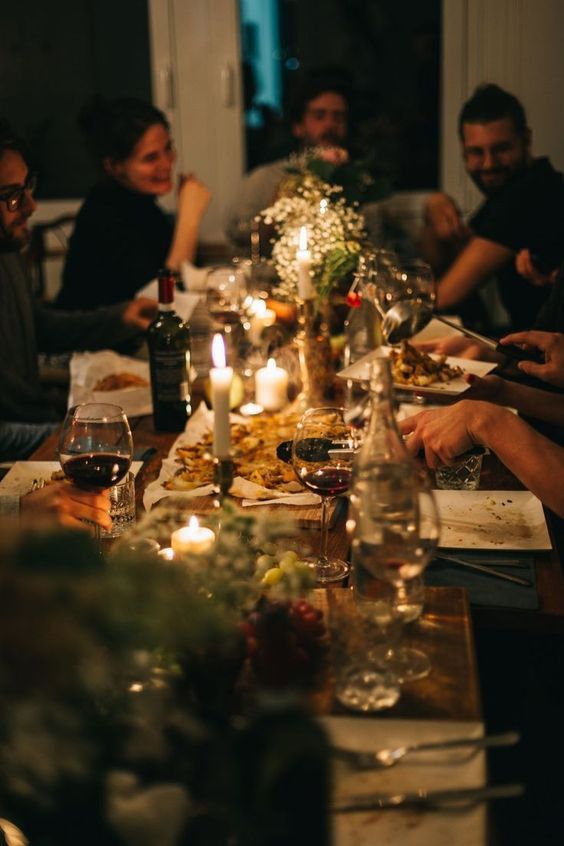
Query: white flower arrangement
{"type": "Point", "coordinates": [335, 230]}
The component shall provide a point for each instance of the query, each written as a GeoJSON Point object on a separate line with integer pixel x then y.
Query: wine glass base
{"type": "Point", "coordinates": [367, 689]}
{"type": "Point", "coordinates": [405, 664]}
{"type": "Point", "coordinates": [332, 570]}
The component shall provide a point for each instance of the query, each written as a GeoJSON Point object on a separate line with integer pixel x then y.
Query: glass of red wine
{"type": "Point", "coordinates": [322, 456]}
{"type": "Point", "coordinates": [95, 446]}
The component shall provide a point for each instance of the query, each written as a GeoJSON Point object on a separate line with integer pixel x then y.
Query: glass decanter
{"type": "Point", "coordinates": [394, 524]}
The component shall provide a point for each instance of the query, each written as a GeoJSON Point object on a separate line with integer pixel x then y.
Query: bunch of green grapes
{"type": "Point", "coordinates": [283, 574]}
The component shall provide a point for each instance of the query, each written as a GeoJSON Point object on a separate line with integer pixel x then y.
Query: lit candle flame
{"type": "Point", "coordinates": [271, 364]}
{"type": "Point", "coordinates": [218, 351]}
{"type": "Point", "coordinates": [303, 238]}
{"type": "Point", "coordinates": [193, 522]}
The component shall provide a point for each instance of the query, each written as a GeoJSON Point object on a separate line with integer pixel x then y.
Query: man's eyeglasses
{"type": "Point", "coordinates": [15, 197]}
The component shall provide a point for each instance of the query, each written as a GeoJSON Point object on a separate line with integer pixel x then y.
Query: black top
{"type": "Point", "coordinates": [527, 213]}
{"type": "Point", "coordinates": [120, 241]}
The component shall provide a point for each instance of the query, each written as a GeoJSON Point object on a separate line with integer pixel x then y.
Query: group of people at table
{"type": "Point", "coordinates": [122, 237]}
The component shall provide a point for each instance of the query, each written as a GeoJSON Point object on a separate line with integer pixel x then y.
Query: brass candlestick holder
{"type": "Point", "coordinates": [222, 478]}
{"type": "Point", "coordinates": [314, 355]}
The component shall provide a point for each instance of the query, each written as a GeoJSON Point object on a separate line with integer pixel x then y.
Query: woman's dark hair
{"type": "Point", "coordinates": [489, 102]}
{"type": "Point", "coordinates": [112, 128]}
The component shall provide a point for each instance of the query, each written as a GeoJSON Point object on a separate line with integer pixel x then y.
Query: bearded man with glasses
{"type": "Point", "coordinates": [28, 327]}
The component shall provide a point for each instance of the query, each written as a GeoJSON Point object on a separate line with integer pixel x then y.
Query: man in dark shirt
{"type": "Point", "coordinates": [27, 327]}
{"type": "Point", "coordinates": [524, 208]}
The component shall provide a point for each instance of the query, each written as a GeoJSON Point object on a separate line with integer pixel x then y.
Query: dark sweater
{"type": "Point", "coordinates": [26, 328]}
{"type": "Point", "coordinates": [121, 239]}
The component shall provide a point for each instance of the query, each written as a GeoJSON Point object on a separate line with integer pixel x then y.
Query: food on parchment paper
{"type": "Point", "coordinates": [253, 447]}
{"type": "Point", "coordinates": [120, 381]}
{"type": "Point", "coordinates": [413, 367]}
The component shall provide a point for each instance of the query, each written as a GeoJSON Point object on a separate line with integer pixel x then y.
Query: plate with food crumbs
{"type": "Point", "coordinates": [492, 520]}
{"type": "Point", "coordinates": [416, 371]}
{"type": "Point", "coordinates": [19, 480]}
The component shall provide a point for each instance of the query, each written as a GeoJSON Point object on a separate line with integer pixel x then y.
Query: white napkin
{"type": "Point", "coordinates": [194, 278]}
{"type": "Point", "coordinates": [87, 368]}
{"type": "Point", "coordinates": [184, 304]}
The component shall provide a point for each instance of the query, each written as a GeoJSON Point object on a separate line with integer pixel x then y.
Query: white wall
{"type": "Point", "coordinates": [517, 44]}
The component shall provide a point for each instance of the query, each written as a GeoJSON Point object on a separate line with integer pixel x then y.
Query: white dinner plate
{"type": "Point", "coordinates": [492, 520]}
{"type": "Point", "coordinates": [360, 372]}
{"type": "Point", "coordinates": [19, 479]}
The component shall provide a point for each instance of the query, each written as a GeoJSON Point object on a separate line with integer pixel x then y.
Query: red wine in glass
{"type": "Point", "coordinates": [96, 470]}
{"type": "Point", "coordinates": [328, 481]}
{"type": "Point", "coordinates": [95, 446]}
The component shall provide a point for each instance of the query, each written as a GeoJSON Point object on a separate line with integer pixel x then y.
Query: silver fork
{"type": "Point", "coordinates": [384, 758]}
{"type": "Point", "coordinates": [37, 484]}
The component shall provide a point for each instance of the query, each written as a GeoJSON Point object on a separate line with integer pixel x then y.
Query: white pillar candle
{"type": "Point", "coordinates": [192, 539]}
{"type": "Point", "coordinates": [271, 386]}
{"type": "Point", "coordinates": [221, 378]}
{"type": "Point", "coordinates": [260, 317]}
{"type": "Point", "coordinates": [303, 257]}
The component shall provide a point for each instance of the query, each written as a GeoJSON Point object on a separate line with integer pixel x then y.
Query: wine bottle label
{"type": "Point", "coordinates": [170, 375]}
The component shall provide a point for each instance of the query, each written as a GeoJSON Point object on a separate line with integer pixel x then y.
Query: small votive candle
{"type": "Point", "coordinates": [192, 539]}
{"type": "Point", "coordinates": [260, 318]}
{"type": "Point", "coordinates": [271, 386]}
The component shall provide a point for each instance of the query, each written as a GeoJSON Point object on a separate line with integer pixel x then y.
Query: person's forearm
{"type": "Point", "coordinates": [532, 402]}
{"type": "Point", "coordinates": [184, 244]}
{"type": "Point", "coordinates": [477, 262]}
{"type": "Point", "coordinates": [537, 462]}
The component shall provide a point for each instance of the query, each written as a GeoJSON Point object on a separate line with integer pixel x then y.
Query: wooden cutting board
{"type": "Point", "coordinates": [306, 517]}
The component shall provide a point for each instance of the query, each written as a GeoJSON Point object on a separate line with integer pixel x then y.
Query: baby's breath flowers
{"type": "Point", "coordinates": [335, 230]}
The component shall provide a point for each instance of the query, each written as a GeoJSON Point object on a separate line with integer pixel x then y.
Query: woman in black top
{"type": "Point", "coordinates": [122, 237]}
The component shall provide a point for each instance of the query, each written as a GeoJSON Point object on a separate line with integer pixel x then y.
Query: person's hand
{"type": "Point", "coordinates": [193, 197]}
{"type": "Point", "coordinates": [444, 218]}
{"type": "Point", "coordinates": [526, 267]}
{"type": "Point", "coordinates": [457, 345]}
{"type": "Point", "coordinates": [489, 388]}
{"type": "Point", "coordinates": [140, 313]}
{"type": "Point", "coordinates": [551, 344]}
{"type": "Point", "coordinates": [64, 504]}
{"type": "Point", "coordinates": [442, 433]}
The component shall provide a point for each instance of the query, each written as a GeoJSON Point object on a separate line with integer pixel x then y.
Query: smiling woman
{"type": "Point", "coordinates": [122, 237]}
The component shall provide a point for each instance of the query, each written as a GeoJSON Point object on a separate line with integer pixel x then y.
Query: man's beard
{"type": "Point", "coordinates": [489, 190]}
{"type": "Point", "coordinates": [9, 241]}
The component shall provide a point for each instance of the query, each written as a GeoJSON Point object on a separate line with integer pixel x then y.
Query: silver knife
{"type": "Point", "coordinates": [481, 568]}
{"type": "Point", "coordinates": [459, 797]}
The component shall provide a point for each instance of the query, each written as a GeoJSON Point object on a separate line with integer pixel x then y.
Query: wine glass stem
{"type": "Point", "coordinates": [322, 560]}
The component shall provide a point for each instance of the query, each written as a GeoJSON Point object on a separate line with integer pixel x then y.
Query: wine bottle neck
{"type": "Point", "coordinates": [166, 291]}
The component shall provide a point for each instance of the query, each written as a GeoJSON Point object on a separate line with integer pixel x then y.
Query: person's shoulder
{"type": "Point", "coordinates": [270, 170]}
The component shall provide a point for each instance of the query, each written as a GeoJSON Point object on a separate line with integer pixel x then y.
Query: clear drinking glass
{"type": "Point", "coordinates": [322, 456]}
{"type": "Point", "coordinates": [95, 446]}
{"type": "Point", "coordinates": [417, 282]}
{"type": "Point", "coordinates": [392, 547]}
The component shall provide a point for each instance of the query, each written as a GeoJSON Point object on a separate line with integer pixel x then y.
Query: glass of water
{"type": "Point", "coordinates": [122, 507]}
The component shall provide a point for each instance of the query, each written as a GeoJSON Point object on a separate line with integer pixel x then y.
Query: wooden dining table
{"type": "Point", "coordinates": [549, 576]}
{"type": "Point", "coordinates": [449, 699]}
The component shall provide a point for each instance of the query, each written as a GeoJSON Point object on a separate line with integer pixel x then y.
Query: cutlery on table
{"type": "Point", "coordinates": [384, 758]}
{"type": "Point", "coordinates": [482, 568]}
{"type": "Point", "coordinates": [458, 798]}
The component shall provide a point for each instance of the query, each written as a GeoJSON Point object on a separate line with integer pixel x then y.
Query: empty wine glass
{"type": "Point", "coordinates": [226, 289]}
{"type": "Point", "coordinates": [95, 446]}
{"type": "Point", "coordinates": [392, 546]}
{"type": "Point", "coordinates": [322, 455]}
{"type": "Point", "coordinates": [417, 283]}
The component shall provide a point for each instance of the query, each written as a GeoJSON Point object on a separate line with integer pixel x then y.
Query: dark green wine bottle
{"type": "Point", "coordinates": [168, 338]}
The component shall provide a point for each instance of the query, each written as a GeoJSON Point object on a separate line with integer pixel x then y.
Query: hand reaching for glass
{"type": "Point", "coordinates": [66, 505]}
